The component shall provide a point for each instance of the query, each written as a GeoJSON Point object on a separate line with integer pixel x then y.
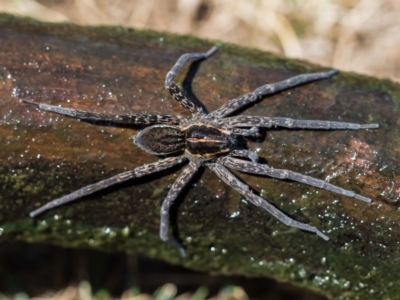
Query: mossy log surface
{"type": "Point", "coordinates": [118, 70]}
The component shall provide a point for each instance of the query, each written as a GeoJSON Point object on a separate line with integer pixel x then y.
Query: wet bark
{"type": "Point", "coordinates": [121, 71]}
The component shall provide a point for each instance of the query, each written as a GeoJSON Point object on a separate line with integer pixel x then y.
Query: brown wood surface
{"type": "Point", "coordinates": [112, 69]}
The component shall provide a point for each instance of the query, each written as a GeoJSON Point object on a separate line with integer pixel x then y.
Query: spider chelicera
{"type": "Point", "coordinates": [210, 140]}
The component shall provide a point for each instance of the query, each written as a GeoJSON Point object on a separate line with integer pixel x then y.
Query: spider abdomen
{"type": "Point", "coordinates": [161, 139]}
{"type": "Point", "coordinates": [206, 141]}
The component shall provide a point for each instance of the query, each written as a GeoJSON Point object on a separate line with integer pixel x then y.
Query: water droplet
{"type": "Point", "coordinates": [125, 231]}
{"type": "Point", "coordinates": [106, 230]}
{"type": "Point", "coordinates": [234, 214]}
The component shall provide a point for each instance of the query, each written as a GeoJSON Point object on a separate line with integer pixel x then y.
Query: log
{"type": "Point", "coordinates": [117, 70]}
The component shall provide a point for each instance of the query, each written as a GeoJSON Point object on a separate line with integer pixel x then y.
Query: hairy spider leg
{"type": "Point", "coordinates": [245, 153]}
{"type": "Point", "coordinates": [138, 119]}
{"type": "Point", "coordinates": [176, 188]}
{"type": "Point", "coordinates": [89, 189]}
{"type": "Point", "coordinates": [177, 93]}
{"type": "Point", "coordinates": [268, 122]}
{"type": "Point", "coordinates": [245, 191]}
{"type": "Point", "coordinates": [268, 89]}
{"type": "Point", "coordinates": [253, 131]}
{"type": "Point", "coordinates": [256, 168]}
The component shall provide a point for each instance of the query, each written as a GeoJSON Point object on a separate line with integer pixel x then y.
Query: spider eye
{"type": "Point", "coordinates": [160, 139]}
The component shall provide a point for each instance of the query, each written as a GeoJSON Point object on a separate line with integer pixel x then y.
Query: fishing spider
{"type": "Point", "coordinates": [208, 140]}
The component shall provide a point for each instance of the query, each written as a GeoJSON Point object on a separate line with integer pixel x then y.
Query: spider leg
{"type": "Point", "coordinates": [177, 93]}
{"type": "Point", "coordinates": [268, 89]}
{"type": "Point", "coordinates": [245, 153]}
{"type": "Point", "coordinates": [261, 169]}
{"type": "Point", "coordinates": [173, 193]}
{"type": "Point", "coordinates": [253, 131]}
{"type": "Point", "coordinates": [251, 121]}
{"type": "Point", "coordinates": [89, 189]}
{"type": "Point", "coordinates": [244, 190]}
{"type": "Point", "coordinates": [138, 119]}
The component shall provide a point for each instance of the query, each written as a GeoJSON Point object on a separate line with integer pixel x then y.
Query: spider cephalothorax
{"type": "Point", "coordinates": [208, 139]}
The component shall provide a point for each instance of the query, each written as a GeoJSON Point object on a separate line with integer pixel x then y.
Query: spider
{"type": "Point", "coordinates": [208, 140]}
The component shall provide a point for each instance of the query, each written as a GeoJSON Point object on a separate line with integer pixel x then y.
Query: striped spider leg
{"type": "Point", "coordinates": [245, 191]}
{"type": "Point", "coordinates": [269, 122]}
{"type": "Point", "coordinates": [136, 119]}
{"type": "Point", "coordinates": [263, 169]}
{"type": "Point", "coordinates": [183, 179]}
{"type": "Point", "coordinates": [141, 171]}
{"type": "Point", "coordinates": [177, 93]}
{"type": "Point", "coordinates": [268, 89]}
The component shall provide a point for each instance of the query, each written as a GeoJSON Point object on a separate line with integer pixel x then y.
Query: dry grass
{"type": "Point", "coordinates": [167, 292]}
{"type": "Point", "coordinates": [351, 35]}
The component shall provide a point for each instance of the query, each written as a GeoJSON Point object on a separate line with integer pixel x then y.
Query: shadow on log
{"type": "Point", "coordinates": [121, 71]}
